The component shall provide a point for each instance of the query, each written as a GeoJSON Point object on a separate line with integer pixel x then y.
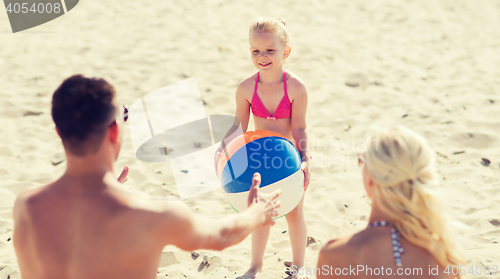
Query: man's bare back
{"type": "Point", "coordinates": [85, 229]}
{"type": "Point", "coordinates": [91, 228]}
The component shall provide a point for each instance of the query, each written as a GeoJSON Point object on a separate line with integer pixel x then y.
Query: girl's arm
{"type": "Point", "coordinates": [241, 119]}
{"type": "Point", "coordinates": [242, 110]}
{"type": "Point", "coordinates": [298, 125]}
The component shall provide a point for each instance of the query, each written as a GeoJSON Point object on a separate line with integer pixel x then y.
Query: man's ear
{"type": "Point", "coordinates": [57, 131]}
{"type": "Point", "coordinates": [113, 132]}
{"type": "Point", "coordinates": [288, 50]}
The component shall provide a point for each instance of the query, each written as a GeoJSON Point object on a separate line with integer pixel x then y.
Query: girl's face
{"type": "Point", "coordinates": [267, 51]}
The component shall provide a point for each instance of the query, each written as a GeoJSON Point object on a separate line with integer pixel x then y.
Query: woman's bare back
{"type": "Point", "coordinates": [369, 254]}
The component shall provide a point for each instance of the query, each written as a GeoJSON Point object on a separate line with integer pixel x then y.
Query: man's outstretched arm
{"type": "Point", "coordinates": [189, 231]}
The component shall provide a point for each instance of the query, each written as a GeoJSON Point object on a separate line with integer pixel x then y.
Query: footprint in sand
{"type": "Point", "coordinates": [281, 245]}
{"type": "Point", "coordinates": [495, 222]}
{"type": "Point", "coordinates": [5, 152]}
{"type": "Point", "coordinates": [167, 258]}
{"type": "Point", "coordinates": [9, 271]}
{"type": "Point", "coordinates": [213, 263]}
{"type": "Point", "coordinates": [356, 80]}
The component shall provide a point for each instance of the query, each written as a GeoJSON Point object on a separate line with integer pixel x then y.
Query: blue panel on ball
{"type": "Point", "coordinates": [273, 157]}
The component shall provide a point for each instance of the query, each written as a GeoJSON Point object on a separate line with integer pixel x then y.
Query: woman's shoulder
{"type": "Point", "coordinates": [337, 252]}
{"type": "Point", "coordinates": [354, 243]}
{"type": "Point", "coordinates": [336, 246]}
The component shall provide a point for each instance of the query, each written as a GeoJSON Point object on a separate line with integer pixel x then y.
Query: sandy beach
{"type": "Point", "coordinates": [433, 66]}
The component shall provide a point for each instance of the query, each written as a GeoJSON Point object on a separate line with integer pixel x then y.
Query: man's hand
{"type": "Point", "coordinates": [194, 231]}
{"type": "Point", "coordinates": [266, 204]}
{"type": "Point", "coordinates": [124, 175]}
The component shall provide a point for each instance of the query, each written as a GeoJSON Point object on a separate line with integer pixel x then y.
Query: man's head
{"type": "Point", "coordinates": [85, 111]}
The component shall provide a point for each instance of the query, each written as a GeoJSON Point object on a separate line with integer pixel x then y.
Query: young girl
{"type": "Point", "coordinates": [278, 101]}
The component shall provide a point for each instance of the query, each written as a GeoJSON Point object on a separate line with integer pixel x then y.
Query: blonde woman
{"type": "Point", "coordinates": [407, 234]}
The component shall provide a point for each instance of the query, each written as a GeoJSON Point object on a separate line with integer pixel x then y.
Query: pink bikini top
{"type": "Point", "coordinates": [284, 109]}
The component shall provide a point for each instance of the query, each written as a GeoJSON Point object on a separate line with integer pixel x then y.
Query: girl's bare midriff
{"type": "Point", "coordinates": [281, 126]}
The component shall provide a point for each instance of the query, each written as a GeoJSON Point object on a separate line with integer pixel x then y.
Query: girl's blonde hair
{"type": "Point", "coordinates": [271, 25]}
{"type": "Point", "coordinates": [402, 165]}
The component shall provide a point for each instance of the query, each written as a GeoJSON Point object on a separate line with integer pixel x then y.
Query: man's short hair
{"type": "Point", "coordinates": [81, 110]}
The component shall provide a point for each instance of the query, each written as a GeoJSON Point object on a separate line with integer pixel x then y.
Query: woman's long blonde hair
{"type": "Point", "coordinates": [402, 166]}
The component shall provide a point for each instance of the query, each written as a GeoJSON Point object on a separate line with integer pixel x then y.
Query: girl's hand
{"type": "Point", "coordinates": [306, 168]}
{"type": "Point", "coordinates": [216, 162]}
{"type": "Point", "coordinates": [124, 175]}
{"type": "Point", "coordinates": [218, 152]}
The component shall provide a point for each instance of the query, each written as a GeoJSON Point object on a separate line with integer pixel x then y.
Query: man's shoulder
{"type": "Point", "coordinates": [139, 201]}
{"type": "Point", "coordinates": [25, 205]}
{"type": "Point", "coordinates": [167, 209]}
{"type": "Point", "coordinates": [29, 196]}
{"type": "Point", "coordinates": [163, 216]}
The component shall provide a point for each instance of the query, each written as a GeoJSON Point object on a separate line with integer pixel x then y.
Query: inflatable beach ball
{"type": "Point", "coordinates": [268, 153]}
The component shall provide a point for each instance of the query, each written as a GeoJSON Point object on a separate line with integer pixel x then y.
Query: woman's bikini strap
{"type": "Point", "coordinates": [397, 249]}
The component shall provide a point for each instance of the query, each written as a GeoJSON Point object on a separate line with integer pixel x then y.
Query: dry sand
{"type": "Point", "coordinates": [432, 66]}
